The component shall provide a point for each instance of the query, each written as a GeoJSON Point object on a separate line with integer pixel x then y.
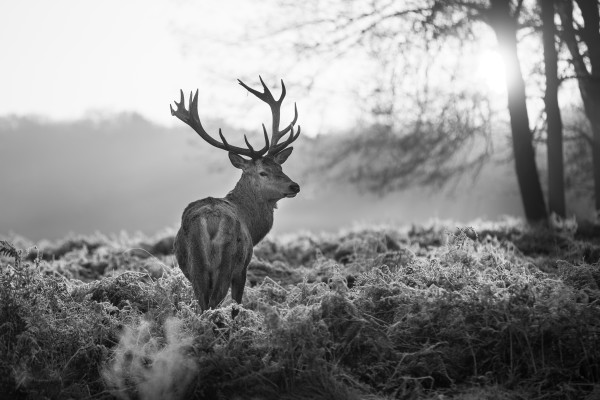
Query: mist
{"type": "Point", "coordinates": [122, 172]}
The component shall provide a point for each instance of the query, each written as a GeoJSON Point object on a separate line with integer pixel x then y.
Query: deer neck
{"type": "Point", "coordinates": [254, 210]}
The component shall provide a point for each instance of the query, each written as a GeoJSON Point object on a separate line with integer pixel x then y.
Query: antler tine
{"type": "Point", "coordinates": [291, 125]}
{"type": "Point", "coordinates": [248, 144]}
{"type": "Point", "coordinates": [265, 96]}
{"type": "Point", "coordinates": [275, 106]}
{"type": "Point", "coordinates": [275, 147]}
{"type": "Point", "coordinates": [283, 92]}
{"type": "Point", "coordinates": [267, 93]}
{"type": "Point", "coordinates": [192, 118]}
{"type": "Point", "coordinates": [181, 102]}
{"type": "Point", "coordinates": [281, 146]}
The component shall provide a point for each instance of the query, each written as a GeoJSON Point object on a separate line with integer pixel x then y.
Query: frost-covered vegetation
{"type": "Point", "coordinates": [495, 311]}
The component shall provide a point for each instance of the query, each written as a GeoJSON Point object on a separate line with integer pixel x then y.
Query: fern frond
{"type": "Point", "coordinates": [8, 249]}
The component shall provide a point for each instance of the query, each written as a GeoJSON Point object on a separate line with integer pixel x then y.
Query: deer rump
{"type": "Point", "coordinates": [213, 249]}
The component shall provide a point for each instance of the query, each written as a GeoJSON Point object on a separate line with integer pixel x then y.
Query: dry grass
{"type": "Point", "coordinates": [497, 311]}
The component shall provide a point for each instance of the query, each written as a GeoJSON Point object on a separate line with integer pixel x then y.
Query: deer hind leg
{"type": "Point", "coordinates": [222, 250]}
{"type": "Point", "coordinates": [181, 252]}
{"type": "Point", "coordinates": [237, 286]}
{"type": "Point", "coordinates": [186, 255]}
{"type": "Point", "coordinates": [238, 281]}
{"type": "Point", "coordinates": [198, 269]}
{"type": "Point", "coordinates": [223, 278]}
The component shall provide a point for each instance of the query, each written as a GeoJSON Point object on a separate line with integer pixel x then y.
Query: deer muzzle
{"type": "Point", "coordinates": [294, 190]}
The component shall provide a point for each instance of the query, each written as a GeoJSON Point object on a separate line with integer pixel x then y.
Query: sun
{"type": "Point", "coordinates": [490, 70]}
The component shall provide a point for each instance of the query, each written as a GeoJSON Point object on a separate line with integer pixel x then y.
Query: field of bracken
{"type": "Point", "coordinates": [443, 311]}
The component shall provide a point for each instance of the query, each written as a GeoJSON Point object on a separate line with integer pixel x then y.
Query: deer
{"type": "Point", "coordinates": [215, 242]}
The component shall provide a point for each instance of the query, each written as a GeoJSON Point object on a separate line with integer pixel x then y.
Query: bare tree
{"type": "Point", "coordinates": [556, 184]}
{"type": "Point", "coordinates": [579, 177]}
{"type": "Point", "coordinates": [503, 18]}
{"type": "Point", "coordinates": [582, 37]}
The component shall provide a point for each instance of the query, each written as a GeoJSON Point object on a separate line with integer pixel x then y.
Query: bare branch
{"type": "Point", "coordinates": [565, 10]}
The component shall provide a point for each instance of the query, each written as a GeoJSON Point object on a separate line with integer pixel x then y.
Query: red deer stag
{"type": "Point", "coordinates": [214, 243]}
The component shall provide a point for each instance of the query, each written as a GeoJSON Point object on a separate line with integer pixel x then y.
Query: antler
{"type": "Point", "coordinates": [275, 105]}
{"type": "Point", "coordinates": [192, 118]}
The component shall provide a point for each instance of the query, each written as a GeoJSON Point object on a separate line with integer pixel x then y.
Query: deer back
{"type": "Point", "coordinates": [212, 226]}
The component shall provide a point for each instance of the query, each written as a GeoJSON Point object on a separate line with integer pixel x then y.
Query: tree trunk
{"type": "Point", "coordinates": [505, 27]}
{"type": "Point", "coordinates": [556, 181]}
{"type": "Point", "coordinates": [589, 81]}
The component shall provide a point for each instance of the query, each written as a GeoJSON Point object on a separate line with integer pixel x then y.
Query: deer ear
{"type": "Point", "coordinates": [283, 155]}
{"type": "Point", "coordinates": [237, 161]}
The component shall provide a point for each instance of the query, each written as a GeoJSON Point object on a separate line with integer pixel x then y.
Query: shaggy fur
{"type": "Point", "coordinates": [214, 244]}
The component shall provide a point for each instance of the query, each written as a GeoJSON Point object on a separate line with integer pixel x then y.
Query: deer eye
{"type": "Point", "coordinates": [262, 173]}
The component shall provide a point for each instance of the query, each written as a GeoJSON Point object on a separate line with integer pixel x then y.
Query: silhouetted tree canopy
{"type": "Point", "coordinates": [425, 150]}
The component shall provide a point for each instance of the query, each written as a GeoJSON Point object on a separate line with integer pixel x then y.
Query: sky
{"type": "Point", "coordinates": [71, 58]}
{"type": "Point", "coordinates": [66, 59]}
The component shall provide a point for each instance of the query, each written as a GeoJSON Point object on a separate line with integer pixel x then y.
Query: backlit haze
{"type": "Point", "coordinates": [87, 142]}
{"type": "Point", "coordinates": [67, 59]}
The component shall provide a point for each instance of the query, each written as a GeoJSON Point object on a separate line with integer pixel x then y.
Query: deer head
{"type": "Point", "coordinates": [262, 171]}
